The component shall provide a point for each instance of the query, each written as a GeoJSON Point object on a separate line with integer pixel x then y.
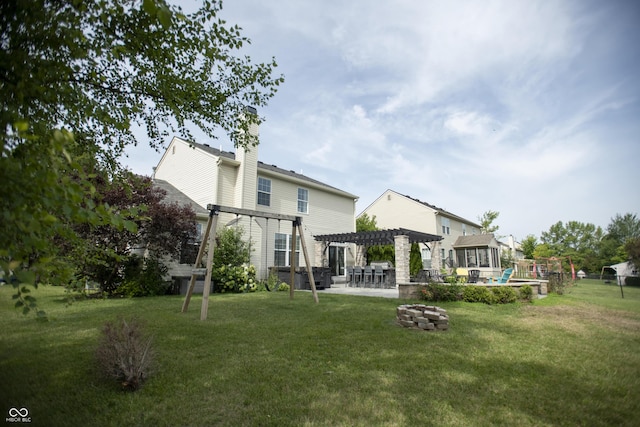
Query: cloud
{"type": "Point", "coordinates": [515, 106]}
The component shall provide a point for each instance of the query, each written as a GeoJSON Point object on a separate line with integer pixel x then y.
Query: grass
{"type": "Point", "coordinates": [262, 359]}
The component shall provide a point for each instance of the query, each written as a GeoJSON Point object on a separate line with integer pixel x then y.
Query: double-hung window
{"type": "Point", "coordinates": [446, 225]}
{"type": "Point", "coordinates": [282, 252]}
{"type": "Point", "coordinates": [264, 191]}
{"type": "Point", "coordinates": [303, 200]}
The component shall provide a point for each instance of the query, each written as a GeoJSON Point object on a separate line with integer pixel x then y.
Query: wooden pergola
{"type": "Point", "coordinates": [401, 238]}
{"type": "Point", "coordinates": [378, 237]}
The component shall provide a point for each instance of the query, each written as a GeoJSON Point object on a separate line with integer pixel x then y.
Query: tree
{"type": "Point", "coordinates": [378, 252]}
{"type": "Point", "coordinates": [415, 260]}
{"type": "Point", "coordinates": [624, 227]}
{"type": "Point", "coordinates": [529, 245]}
{"type": "Point", "coordinates": [100, 69]}
{"type": "Point", "coordinates": [77, 78]}
{"type": "Point", "coordinates": [632, 247]}
{"type": "Point", "coordinates": [366, 223]}
{"type": "Point", "coordinates": [102, 252]}
{"type": "Point", "coordinates": [621, 230]}
{"type": "Point", "coordinates": [486, 221]}
{"type": "Point", "coordinates": [580, 241]}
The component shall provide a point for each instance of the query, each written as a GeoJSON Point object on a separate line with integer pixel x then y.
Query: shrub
{"type": "Point", "coordinates": [557, 284]}
{"type": "Point", "coordinates": [526, 293]}
{"type": "Point", "coordinates": [632, 281]}
{"type": "Point", "coordinates": [441, 292]}
{"type": "Point", "coordinates": [124, 353]}
{"type": "Point", "coordinates": [229, 278]}
{"type": "Point", "coordinates": [473, 293]}
{"type": "Point", "coordinates": [143, 277]}
{"type": "Point", "coordinates": [504, 295]}
{"type": "Point", "coordinates": [283, 287]}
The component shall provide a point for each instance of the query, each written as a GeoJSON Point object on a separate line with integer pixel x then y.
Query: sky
{"type": "Point", "coordinates": [528, 108]}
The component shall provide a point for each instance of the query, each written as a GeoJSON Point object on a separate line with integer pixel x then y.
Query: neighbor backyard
{"type": "Point", "coordinates": [263, 359]}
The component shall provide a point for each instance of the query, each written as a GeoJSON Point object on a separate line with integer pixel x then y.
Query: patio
{"type": "Point", "coordinates": [380, 274]}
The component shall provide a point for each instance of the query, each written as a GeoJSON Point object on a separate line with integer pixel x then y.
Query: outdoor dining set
{"type": "Point", "coordinates": [371, 276]}
{"type": "Point", "coordinates": [383, 276]}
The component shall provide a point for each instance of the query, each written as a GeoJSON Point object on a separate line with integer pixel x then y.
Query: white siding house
{"type": "Point", "coordinates": [395, 210]}
{"type": "Point", "coordinates": [210, 176]}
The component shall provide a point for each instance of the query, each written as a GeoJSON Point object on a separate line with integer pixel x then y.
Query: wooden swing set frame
{"type": "Point", "coordinates": [214, 211]}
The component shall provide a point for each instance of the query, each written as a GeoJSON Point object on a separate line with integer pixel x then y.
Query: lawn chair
{"type": "Point", "coordinates": [474, 276]}
{"type": "Point", "coordinates": [506, 275]}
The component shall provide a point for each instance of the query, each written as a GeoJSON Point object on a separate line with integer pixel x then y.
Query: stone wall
{"type": "Point", "coordinates": [425, 317]}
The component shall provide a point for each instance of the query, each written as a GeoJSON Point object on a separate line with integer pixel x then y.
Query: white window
{"type": "Point", "coordinates": [464, 229]}
{"type": "Point", "coordinates": [264, 191]}
{"type": "Point", "coordinates": [303, 200]}
{"type": "Point", "coordinates": [282, 252]}
{"type": "Point", "coordinates": [446, 225]}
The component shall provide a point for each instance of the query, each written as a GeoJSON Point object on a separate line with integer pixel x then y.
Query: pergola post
{"type": "Point", "coordinates": [403, 249]}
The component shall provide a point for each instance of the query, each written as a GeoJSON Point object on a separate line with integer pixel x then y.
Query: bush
{"type": "Point", "coordinates": [473, 293]}
{"type": "Point", "coordinates": [283, 287]}
{"type": "Point", "coordinates": [235, 279]}
{"type": "Point", "coordinates": [143, 277]}
{"type": "Point", "coordinates": [441, 292]}
{"type": "Point", "coordinates": [504, 295]}
{"type": "Point", "coordinates": [632, 281]}
{"type": "Point", "coordinates": [124, 353]}
{"type": "Point", "coordinates": [526, 293]}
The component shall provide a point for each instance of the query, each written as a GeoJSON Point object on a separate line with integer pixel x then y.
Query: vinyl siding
{"type": "Point", "coordinates": [393, 210]}
{"type": "Point", "coordinates": [191, 171]}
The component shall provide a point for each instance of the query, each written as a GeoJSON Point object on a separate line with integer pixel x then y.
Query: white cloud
{"type": "Point", "coordinates": [516, 106]}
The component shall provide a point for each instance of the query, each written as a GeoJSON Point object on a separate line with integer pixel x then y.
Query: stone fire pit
{"type": "Point", "coordinates": [425, 317]}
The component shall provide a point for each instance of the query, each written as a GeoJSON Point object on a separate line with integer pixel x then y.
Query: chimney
{"type": "Point", "coordinates": [247, 178]}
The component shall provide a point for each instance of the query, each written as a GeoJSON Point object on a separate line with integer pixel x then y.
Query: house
{"type": "Point", "coordinates": [206, 175]}
{"type": "Point", "coordinates": [395, 210]}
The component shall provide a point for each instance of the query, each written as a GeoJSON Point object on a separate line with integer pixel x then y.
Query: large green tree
{"type": "Point", "coordinates": [621, 229]}
{"type": "Point", "coordinates": [577, 240]}
{"type": "Point", "coordinates": [87, 78]}
{"type": "Point", "coordinates": [103, 68]}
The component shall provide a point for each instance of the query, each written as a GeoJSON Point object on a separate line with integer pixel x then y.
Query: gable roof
{"type": "Point", "coordinates": [474, 241]}
{"type": "Point", "coordinates": [176, 196]}
{"type": "Point", "coordinates": [440, 211]}
{"type": "Point", "coordinates": [273, 169]}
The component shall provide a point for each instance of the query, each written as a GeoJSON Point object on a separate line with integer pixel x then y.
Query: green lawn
{"type": "Point", "coordinates": [262, 359]}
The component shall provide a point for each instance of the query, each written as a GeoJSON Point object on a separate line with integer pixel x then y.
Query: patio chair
{"type": "Point", "coordinates": [506, 275]}
{"type": "Point", "coordinates": [349, 275]}
{"type": "Point", "coordinates": [435, 275]}
{"type": "Point", "coordinates": [368, 274]}
{"type": "Point", "coordinates": [474, 276]}
{"type": "Point", "coordinates": [378, 276]}
{"type": "Point", "coordinates": [357, 275]}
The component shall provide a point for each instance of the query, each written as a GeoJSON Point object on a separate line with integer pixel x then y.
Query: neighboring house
{"type": "Point", "coordinates": [395, 210]}
{"type": "Point", "coordinates": [210, 176]}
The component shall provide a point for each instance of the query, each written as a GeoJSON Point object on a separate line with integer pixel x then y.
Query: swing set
{"type": "Point", "coordinates": [214, 211]}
